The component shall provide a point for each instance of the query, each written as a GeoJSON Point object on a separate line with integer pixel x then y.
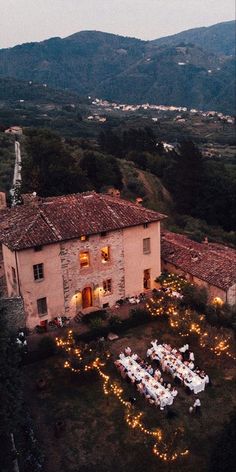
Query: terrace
{"type": "Point", "coordinates": [102, 431]}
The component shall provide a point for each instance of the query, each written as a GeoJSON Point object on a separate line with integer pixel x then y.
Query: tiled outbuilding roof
{"type": "Point", "coordinates": [213, 263]}
{"type": "Point", "coordinates": [54, 219]}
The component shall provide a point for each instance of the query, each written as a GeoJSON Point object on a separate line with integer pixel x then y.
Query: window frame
{"type": "Point", "coordinates": [107, 287]}
{"type": "Point", "coordinates": [83, 238]}
{"type": "Point", "coordinates": [38, 271]}
{"type": "Point", "coordinates": [103, 261]}
{"type": "Point", "coordinates": [83, 266]}
{"type": "Point", "coordinates": [38, 248]}
{"type": "Point", "coordinates": [42, 300]}
{"type": "Point", "coordinates": [147, 250]}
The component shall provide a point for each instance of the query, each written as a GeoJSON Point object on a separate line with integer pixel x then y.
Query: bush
{"type": "Point", "coordinates": [140, 314]}
{"type": "Point", "coordinates": [195, 297]}
{"type": "Point", "coordinates": [87, 319]}
{"type": "Point", "coordinates": [221, 316]}
{"type": "Point", "coordinates": [92, 335]}
{"type": "Point", "coordinates": [114, 322]}
{"type": "Point", "coordinates": [96, 323]}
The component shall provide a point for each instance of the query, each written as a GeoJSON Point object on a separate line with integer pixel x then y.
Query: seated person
{"type": "Point", "coordinates": [191, 365]}
{"type": "Point", "coordinates": [128, 351]}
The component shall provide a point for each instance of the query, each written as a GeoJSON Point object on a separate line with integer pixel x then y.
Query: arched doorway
{"type": "Point", "coordinates": [86, 297]}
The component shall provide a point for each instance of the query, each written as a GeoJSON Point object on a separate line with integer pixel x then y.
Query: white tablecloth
{"type": "Point", "coordinates": [177, 368]}
{"type": "Point", "coordinates": [155, 389]}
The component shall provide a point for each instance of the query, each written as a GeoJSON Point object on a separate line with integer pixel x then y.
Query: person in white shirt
{"type": "Point", "coordinates": [184, 348]}
{"type": "Point", "coordinates": [191, 365]}
{"type": "Point", "coordinates": [191, 356]}
{"type": "Point", "coordinates": [149, 352]}
{"type": "Point", "coordinates": [197, 405]}
{"type": "Point", "coordinates": [157, 374]}
{"type": "Point", "coordinates": [127, 351]}
{"type": "Point", "coordinates": [174, 392]}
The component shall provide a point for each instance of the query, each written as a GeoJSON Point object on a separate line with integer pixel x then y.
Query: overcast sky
{"type": "Point", "coordinates": [34, 20]}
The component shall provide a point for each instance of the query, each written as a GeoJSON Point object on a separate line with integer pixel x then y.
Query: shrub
{"type": "Point", "coordinates": [140, 314]}
{"type": "Point", "coordinates": [87, 319]}
{"type": "Point", "coordinates": [96, 322]}
{"type": "Point", "coordinates": [195, 297]}
{"type": "Point", "coordinates": [114, 322]}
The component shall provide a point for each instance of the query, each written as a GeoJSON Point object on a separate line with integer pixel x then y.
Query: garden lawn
{"type": "Point", "coordinates": [96, 436]}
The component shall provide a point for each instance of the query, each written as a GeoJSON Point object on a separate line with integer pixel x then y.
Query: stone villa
{"type": "Point", "coordinates": [70, 253]}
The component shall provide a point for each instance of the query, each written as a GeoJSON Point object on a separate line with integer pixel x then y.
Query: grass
{"type": "Point", "coordinates": [96, 436]}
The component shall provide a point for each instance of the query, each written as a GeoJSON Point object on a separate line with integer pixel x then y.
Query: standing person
{"type": "Point", "coordinates": [191, 356]}
{"type": "Point", "coordinates": [197, 406]}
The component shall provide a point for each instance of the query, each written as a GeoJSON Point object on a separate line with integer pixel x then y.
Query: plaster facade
{"type": "Point", "coordinates": [66, 284]}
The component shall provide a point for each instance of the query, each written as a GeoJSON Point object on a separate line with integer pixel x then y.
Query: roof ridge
{"type": "Point", "coordinates": [50, 224]}
{"type": "Point", "coordinates": [37, 215]}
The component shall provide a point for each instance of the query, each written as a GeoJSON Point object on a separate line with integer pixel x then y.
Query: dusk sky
{"type": "Point", "coordinates": [36, 20]}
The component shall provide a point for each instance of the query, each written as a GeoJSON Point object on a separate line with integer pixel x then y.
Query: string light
{"type": "Point", "coordinates": [186, 321]}
{"type": "Point", "coordinates": [133, 420]}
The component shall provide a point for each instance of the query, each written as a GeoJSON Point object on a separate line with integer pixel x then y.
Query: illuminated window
{"type": "Point", "coordinates": [42, 306]}
{"type": "Point", "coordinates": [147, 279]}
{"type": "Point", "coordinates": [105, 254]}
{"type": "Point", "coordinates": [38, 272]}
{"type": "Point", "coordinates": [107, 286]}
{"type": "Point", "coordinates": [84, 238]}
{"type": "Point", "coordinates": [146, 246]}
{"type": "Point", "coordinates": [13, 273]}
{"type": "Point", "coordinates": [84, 259]}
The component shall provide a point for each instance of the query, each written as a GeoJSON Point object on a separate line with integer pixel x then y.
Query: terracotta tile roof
{"type": "Point", "coordinates": [54, 219]}
{"type": "Point", "coordinates": [213, 263]}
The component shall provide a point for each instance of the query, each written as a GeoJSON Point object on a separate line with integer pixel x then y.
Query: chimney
{"type": "Point", "coordinates": [205, 240]}
{"type": "Point", "coordinates": [30, 198]}
{"type": "Point", "coordinates": [113, 192]}
{"type": "Point", "coordinates": [139, 201]}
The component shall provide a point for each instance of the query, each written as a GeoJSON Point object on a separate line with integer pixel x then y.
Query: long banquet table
{"type": "Point", "coordinates": [154, 388]}
{"type": "Point", "coordinates": [171, 363]}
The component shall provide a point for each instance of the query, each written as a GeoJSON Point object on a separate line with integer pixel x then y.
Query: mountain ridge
{"type": "Point", "coordinates": [127, 69]}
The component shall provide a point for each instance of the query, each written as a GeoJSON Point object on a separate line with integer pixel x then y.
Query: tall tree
{"type": "Point", "coordinates": [184, 178]}
{"type": "Point", "coordinates": [48, 168]}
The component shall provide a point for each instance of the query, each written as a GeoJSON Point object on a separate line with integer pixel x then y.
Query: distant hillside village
{"type": "Point", "coordinates": [108, 106]}
{"type": "Point", "coordinates": [76, 253]}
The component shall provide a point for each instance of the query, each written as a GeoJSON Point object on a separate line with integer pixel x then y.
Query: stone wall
{"type": "Point", "coordinates": [231, 295]}
{"type": "Point", "coordinates": [14, 312]}
{"type": "Point", "coordinates": [75, 278]}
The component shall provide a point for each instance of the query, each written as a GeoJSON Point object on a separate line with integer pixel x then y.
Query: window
{"type": "Point", "coordinates": [103, 233]}
{"type": "Point", "coordinates": [107, 286]}
{"type": "Point", "coordinates": [13, 274]}
{"type": "Point", "coordinates": [84, 238]}
{"type": "Point", "coordinates": [147, 279]}
{"type": "Point", "coordinates": [146, 246]}
{"type": "Point", "coordinates": [38, 272]}
{"type": "Point", "coordinates": [84, 259]}
{"type": "Point", "coordinates": [42, 306]}
{"type": "Point", "coordinates": [38, 248]}
{"type": "Point", "coordinates": [105, 254]}
{"type": "Point", "coordinates": [145, 225]}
